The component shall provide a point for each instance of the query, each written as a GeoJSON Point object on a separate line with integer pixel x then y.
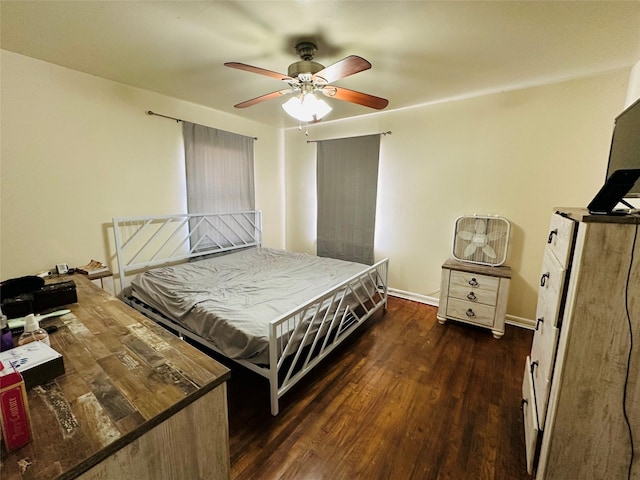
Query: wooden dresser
{"type": "Point", "coordinates": [580, 381]}
{"type": "Point", "coordinates": [476, 294]}
{"type": "Point", "coordinates": [135, 402]}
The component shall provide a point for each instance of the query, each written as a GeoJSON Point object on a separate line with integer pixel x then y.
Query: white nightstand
{"type": "Point", "coordinates": [475, 294]}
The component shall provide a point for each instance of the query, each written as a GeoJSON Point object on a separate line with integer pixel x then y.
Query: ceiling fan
{"type": "Point", "coordinates": [305, 78]}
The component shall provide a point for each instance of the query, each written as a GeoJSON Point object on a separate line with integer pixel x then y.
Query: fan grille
{"type": "Point", "coordinates": [481, 239]}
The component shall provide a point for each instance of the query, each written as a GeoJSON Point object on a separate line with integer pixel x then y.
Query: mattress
{"type": "Point", "coordinates": [229, 300]}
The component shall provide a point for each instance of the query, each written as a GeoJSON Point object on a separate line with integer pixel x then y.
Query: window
{"type": "Point", "coordinates": [219, 174]}
{"type": "Point", "coordinates": [347, 185]}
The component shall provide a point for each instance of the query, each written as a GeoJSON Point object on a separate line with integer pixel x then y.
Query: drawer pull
{"type": "Point", "coordinates": [551, 234]}
{"type": "Point", "coordinates": [470, 313]}
{"type": "Point", "coordinates": [538, 322]}
{"type": "Point", "coordinates": [473, 282]}
{"type": "Point", "coordinates": [472, 297]}
{"type": "Point", "coordinates": [523, 402]}
{"type": "Point", "coordinates": [543, 279]}
{"type": "Point", "coordinates": [533, 366]}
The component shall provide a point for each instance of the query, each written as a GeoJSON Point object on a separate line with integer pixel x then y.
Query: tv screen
{"type": "Point", "coordinates": [625, 145]}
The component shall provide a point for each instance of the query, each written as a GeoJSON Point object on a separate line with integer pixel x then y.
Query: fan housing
{"type": "Point", "coordinates": [306, 51]}
{"type": "Point", "coordinates": [481, 239]}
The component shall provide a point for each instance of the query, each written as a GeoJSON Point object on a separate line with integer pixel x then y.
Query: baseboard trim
{"type": "Point", "coordinates": [435, 301]}
{"type": "Point", "coordinates": [416, 297]}
{"type": "Point", "coordinates": [520, 322]}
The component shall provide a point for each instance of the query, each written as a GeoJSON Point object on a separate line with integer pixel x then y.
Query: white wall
{"type": "Point", "coordinates": [516, 154]}
{"type": "Point", "coordinates": [77, 150]}
{"type": "Point", "coordinates": [633, 92]}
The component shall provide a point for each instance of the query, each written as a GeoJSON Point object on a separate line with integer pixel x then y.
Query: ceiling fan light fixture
{"type": "Point", "coordinates": [306, 107]}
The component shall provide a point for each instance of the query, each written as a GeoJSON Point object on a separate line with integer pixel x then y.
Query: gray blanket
{"type": "Point", "coordinates": [229, 300]}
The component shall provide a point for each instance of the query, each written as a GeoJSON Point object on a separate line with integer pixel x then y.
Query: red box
{"type": "Point", "coordinates": [14, 409]}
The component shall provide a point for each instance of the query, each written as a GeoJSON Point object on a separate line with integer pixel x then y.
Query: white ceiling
{"type": "Point", "coordinates": [421, 51]}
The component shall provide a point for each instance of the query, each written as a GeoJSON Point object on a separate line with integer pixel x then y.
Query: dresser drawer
{"type": "Point", "coordinates": [473, 287]}
{"type": "Point", "coordinates": [531, 427]}
{"type": "Point", "coordinates": [550, 289]}
{"type": "Point", "coordinates": [543, 352]}
{"type": "Point", "coordinates": [471, 312]}
{"type": "Point", "coordinates": [560, 238]}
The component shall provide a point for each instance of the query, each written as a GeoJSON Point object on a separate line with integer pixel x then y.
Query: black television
{"type": "Point", "coordinates": [625, 145]}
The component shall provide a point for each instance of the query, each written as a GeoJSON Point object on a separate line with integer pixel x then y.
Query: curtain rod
{"type": "Point", "coordinates": [381, 133]}
{"type": "Point", "coordinates": [149, 112]}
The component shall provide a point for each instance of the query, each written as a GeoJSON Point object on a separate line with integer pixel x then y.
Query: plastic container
{"type": "Point", "coordinates": [33, 332]}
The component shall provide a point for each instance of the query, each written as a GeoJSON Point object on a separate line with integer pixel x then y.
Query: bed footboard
{"type": "Point", "coordinates": [300, 339]}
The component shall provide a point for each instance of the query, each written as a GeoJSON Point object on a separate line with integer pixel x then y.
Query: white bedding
{"type": "Point", "coordinates": [230, 300]}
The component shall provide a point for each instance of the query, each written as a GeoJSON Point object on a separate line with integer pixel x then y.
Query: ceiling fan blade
{"type": "Point", "coordinates": [355, 97]}
{"type": "Point", "coordinates": [261, 71]}
{"type": "Point", "coordinates": [343, 68]}
{"type": "Point", "coordinates": [263, 98]}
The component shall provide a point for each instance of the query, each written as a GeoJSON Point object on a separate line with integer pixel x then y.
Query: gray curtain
{"type": "Point", "coordinates": [347, 183]}
{"type": "Point", "coordinates": [219, 170]}
{"type": "Point", "coordinates": [219, 174]}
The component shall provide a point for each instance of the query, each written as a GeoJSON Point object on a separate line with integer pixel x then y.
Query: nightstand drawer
{"type": "Point", "coordinates": [473, 287]}
{"type": "Point", "coordinates": [471, 312]}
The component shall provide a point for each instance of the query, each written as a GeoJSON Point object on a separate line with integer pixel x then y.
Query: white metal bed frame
{"type": "Point", "coordinates": [299, 339]}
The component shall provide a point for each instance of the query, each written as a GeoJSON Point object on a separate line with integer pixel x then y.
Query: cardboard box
{"type": "Point", "coordinates": [14, 408]}
{"type": "Point", "coordinates": [36, 361]}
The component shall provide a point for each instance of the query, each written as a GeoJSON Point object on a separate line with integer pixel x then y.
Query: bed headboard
{"type": "Point", "coordinates": [145, 242]}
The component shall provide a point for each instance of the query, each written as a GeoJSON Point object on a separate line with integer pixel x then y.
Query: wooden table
{"type": "Point", "coordinates": [135, 401]}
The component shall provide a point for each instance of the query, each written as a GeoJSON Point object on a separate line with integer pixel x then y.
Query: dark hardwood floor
{"type": "Point", "coordinates": [407, 398]}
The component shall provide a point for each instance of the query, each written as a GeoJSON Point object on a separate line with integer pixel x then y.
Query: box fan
{"type": "Point", "coordinates": [481, 239]}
